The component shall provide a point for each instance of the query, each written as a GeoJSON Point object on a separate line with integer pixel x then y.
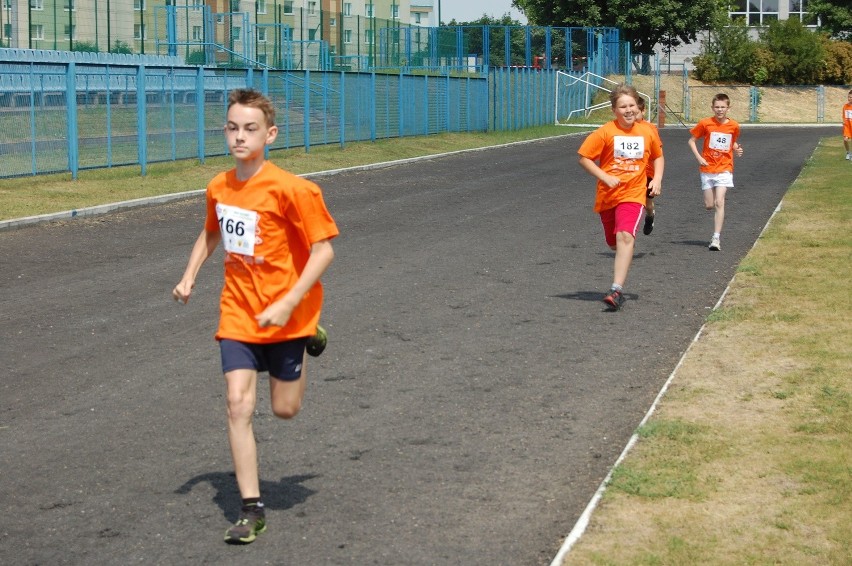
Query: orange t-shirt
{"type": "Point", "coordinates": [268, 225]}
{"type": "Point", "coordinates": [624, 154]}
{"type": "Point", "coordinates": [649, 170]}
{"type": "Point", "coordinates": [847, 120]}
{"type": "Point", "coordinates": [719, 140]}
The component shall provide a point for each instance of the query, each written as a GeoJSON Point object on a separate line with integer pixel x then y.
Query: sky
{"type": "Point", "coordinates": [469, 10]}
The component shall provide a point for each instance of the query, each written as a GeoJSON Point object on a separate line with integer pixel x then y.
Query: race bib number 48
{"type": "Point", "coordinates": [629, 147]}
{"type": "Point", "coordinates": [238, 227]}
{"type": "Point", "coordinates": [720, 142]}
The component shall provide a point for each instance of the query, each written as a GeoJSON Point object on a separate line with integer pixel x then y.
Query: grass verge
{"type": "Point", "coordinates": [44, 194]}
{"type": "Point", "coordinates": [748, 458]}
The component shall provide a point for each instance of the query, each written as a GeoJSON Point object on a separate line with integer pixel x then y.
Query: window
{"type": "Point", "coordinates": [138, 31]}
{"type": "Point", "coordinates": [69, 6]}
{"type": "Point", "coordinates": [197, 33]}
{"type": "Point", "coordinates": [332, 21]}
{"type": "Point", "coordinates": [755, 12]}
{"type": "Point", "coordinates": [261, 35]}
{"type": "Point", "coordinates": [37, 31]}
{"type": "Point", "coordinates": [139, 5]}
{"type": "Point", "coordinates": [417, 16]}
{"type": "Point", "coordinates": [347, 36]}
{"type": "Point", "coordinates": [7, 31]}
{"type": "Point", "coordinates": [197, 5]}
{"type": "Point", "coordinates": [288, 6]}
{"type": "Point", "coordinates": [368, 36]}
{"type": "Point", "coordinates": [235, 6]}
{"type": "Point", "coordinates": [261, 6]}
{"type": "Point", "coordinates": [347, 8]}
{"type": "Point", "coordinates": [395, 12]}
{"type": "Point", "coordinates": [368, 10]}
{"type": "Point", "coordinates": [312, 7]}
{"type": "Point", "coordinates": [7, 5]}
{"type": "Point", "coordinates": [37, 4]}
{"type": "Point", "coordinates": [236, 32]}
{"type": "Point", "coordinates": [69, 32]}
{"type": "Point", "coordinates": [261, 58]}
{"type": "Point", "coordinates": [799, 9]}
{"type": "Point", "coordinates": [312, 34]}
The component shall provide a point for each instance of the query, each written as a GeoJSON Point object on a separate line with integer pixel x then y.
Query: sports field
{"type": "Point", "coordinates": [473, 396]}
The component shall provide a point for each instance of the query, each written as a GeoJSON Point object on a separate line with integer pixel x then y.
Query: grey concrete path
{"type": "Point", "coordinates": [472, 398]}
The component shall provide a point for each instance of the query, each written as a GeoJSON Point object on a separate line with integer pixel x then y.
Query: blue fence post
{"type": "Point", "coordinates": [425, 105]}
{"type": "Point", "coordinates": [400, 101]}
{"type": "Point", "coordinates": [373, 107]}
{"type": "Point", "coordinates": [342, 109]}
{"type": "Point", "coordinates": [307, 111]}
{"type": "Point", "coordinates": [71, 109]}
{"type": "Point", "coordinates": [200, 103]}
{"type": "Point", "coordinates": [820, 104]}
{"type": "Point", "coordinates": [141, 120]}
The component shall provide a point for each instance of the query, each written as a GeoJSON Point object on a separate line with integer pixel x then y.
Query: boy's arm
{"type": "Point", "coordinates": [592, 169]}
{"type": "Point", "coordinates": [278, 313]}
{"type": "Point", "coordinates": [203, 248]}
{"type": "Point", "coordinates": [695, 152]}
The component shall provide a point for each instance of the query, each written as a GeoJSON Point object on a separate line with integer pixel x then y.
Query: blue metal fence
{"type": "Point", "coordinates": [85, 111]}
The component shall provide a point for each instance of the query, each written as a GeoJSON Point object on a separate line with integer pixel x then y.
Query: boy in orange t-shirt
{"type": "Point", "coordinates": [277, 234]}
{"type": "Point", "coordinates": [847, 126]}
{"type": "Point", "coordinates": [716, 160]}
{"type": "Point", "coordinates": [617, 154]}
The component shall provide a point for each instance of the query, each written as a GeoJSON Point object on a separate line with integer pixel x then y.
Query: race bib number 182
{"type": "Point", "coordinates": [238, 227]}
{"type": "Point", "coordinates": [629, 147]}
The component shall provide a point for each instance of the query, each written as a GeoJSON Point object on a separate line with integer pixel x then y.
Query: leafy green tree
{"type": "Point", "coordinates": [644, 23]}
{"type": "Point", "coordinates": [474, 39]}
{"type": "Point", "coordinates": [86, 46]}
{"type": "Point", "coordinates": [729, 55]}
{"type": "Point", "coordinates": [835, 17]}
{"type": "Point", "coordinates": [838, 62]}
{"type": "Point", "coordinates": [798, 54]}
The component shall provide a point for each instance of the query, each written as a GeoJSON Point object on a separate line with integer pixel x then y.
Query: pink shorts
{"type": "Point", "coordinates": [623, 218]}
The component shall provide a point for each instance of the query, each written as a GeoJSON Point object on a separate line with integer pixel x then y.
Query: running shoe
{"type": "Point", "coordinates": [614, 299]}
{"type": "Point", "coordinates": [649, 224]}
{"type": "Point", "coordinates": [715, 245]}
{"type": "Point", "coordinates": [848, 156]}
{"type": "Point", "coordinates": [251, 523]}
{"type": "Point", "coordinates": [317, 343]}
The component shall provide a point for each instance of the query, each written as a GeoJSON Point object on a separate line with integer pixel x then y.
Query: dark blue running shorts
{"type": "Point", "coordinates": [283, 360]}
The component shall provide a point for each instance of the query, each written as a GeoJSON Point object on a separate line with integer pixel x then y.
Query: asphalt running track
{"type": "Point", "coordinates": [473, 396]}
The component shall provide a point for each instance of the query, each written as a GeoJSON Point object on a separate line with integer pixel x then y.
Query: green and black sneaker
{"type": "Point", "coordinates": [251, 523]}
{"type": "Point", "coordinates": [317, 343]}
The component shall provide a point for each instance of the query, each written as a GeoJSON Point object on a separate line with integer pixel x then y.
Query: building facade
{"type": "Point", "coordinates": [267, 32]}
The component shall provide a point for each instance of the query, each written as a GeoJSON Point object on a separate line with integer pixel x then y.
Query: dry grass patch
{"type": "Point", "coordinates": [748, 459]}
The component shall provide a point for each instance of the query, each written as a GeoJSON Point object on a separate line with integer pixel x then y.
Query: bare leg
{"type": "Point", "coordinates": [624, 243]}
{"type": "Point", "coordinates": [719, 206]}
{"type": "Point", "coordinates": [286, 396]}
{"type": "Point", "coordinates": [242, 397]}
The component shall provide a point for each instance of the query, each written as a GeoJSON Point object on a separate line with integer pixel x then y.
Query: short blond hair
{"type": "Point", "coordinates": [253, 99]}
{"type": "Point", "coordinates": [622, 90]}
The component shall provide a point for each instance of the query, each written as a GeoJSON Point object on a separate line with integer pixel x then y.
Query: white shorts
{"type": "Point", "coordinates": [710, 180]}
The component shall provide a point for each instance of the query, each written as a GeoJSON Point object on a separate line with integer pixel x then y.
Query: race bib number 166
{"type": "Point", "coordinates": [238, 227]}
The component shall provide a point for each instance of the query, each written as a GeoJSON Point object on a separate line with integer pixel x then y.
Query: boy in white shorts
{"type": "Point", "coordinates": [716, 160]}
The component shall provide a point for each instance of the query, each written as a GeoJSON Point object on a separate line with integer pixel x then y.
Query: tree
{"type": "Point", "coordinates": [644, 23]}
{"type": "Point", "coordinates": [835, 17]}
{"type": "Point", "coordinates": [798, 54]}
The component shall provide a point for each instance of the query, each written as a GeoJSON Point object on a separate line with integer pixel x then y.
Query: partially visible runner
{"type": "Point", "coordinates": [650, 208]}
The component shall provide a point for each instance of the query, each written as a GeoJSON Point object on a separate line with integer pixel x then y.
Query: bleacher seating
{"type": "Point", "coordinates": [14, 55]}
